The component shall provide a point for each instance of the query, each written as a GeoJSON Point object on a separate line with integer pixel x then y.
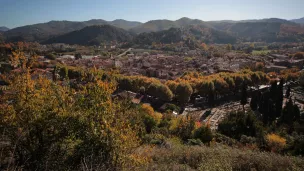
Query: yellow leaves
{"type": "Point", "coordinates": [275, 142]}
{"type": "Point", "coordinates": [18, 59]}
{"type": "Point", "coordinates": [7, 113]}
{"type": "Point", "coordinates": [158, 117]}
{"type": "Point", "coordinates": [150, 111]}
{"type": "Point", "coordinates": [174, 123]}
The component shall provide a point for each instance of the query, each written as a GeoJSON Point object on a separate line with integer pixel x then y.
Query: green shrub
{"type": "Point", "coordinates": [204, 134]}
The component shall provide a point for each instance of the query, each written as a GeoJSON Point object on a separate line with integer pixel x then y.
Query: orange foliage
{"type": "Point", "coordinates": [275, 142]}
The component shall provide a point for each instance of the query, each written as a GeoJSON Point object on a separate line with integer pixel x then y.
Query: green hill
{"type": "Point", "coordinates": [93, 35]}
{"type": "Point", "coordinates": [193, 32]}
{"type": "Point", "coordinates": [160, 25]}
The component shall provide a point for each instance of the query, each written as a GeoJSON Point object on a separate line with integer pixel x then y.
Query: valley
{"type": "Point", "coordinates": [182, 94]}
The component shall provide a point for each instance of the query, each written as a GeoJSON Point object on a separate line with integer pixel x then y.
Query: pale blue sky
{"type": "Point", "coordinates": [15, 13]}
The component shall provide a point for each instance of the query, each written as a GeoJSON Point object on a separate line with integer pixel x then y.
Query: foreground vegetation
{"type": "Point", "coordinates": [63, 125]}
{"type": "Point", "coordinates": [215, 158]}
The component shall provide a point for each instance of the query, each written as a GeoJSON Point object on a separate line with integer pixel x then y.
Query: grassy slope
{"type": "Point", "coordinates": [217, 157]}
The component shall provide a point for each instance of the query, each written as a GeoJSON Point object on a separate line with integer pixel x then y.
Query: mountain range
{"type": "Point", "coordinates": [300, 20]}
{"type": "Point", "coordinates": [226, 31]}
{"type": "Point", "coordinates": [3, 29]}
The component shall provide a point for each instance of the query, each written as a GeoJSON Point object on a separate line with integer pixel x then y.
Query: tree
{"type": "Point", "coordinates": [299, 55]}
{"type": "Point", "coordinates": [204, 134]}
{"type": "Point", "coordinates": [160, 91]}
{"type": "Point", "coordinates": [254, 103]}
{"type": "Point", "coordinates": [78, 56]}
{"type": "Point", "coordinates": [172, 85]}
{"type": "Point", "coordinates": [150, 123]}
{"type": "Point", "coordinates": [273, 90]}
{"type": "Point", "coordinates": [183, 92]}
{"type": "Point", "coordinates": [291, 113]}
{"type": "Point", "coordinates": [301, 78]}
{"type": "Point", "coordinates": [259, 66]}
{"type": "Point", "coordinates": [244, 96]}
{"type": "Point", "coordinates": [185, 127]}
{"type": "Point", "coordinates": [50, 56]}
{"type": "Point", "coordinates": [228, 47]}
{"type": "Point", "coordinates": [287, 94]}
{"type": "Point", "coordinates": [280, 97]}
{"type": "Point", "coordinates": [58, 126]}
{"type": "Point", "coordinates": [238, 123]}
{"type": "Point", "coordinates": [142, 90]}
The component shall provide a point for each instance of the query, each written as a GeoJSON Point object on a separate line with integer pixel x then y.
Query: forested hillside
{"type": "Point", "coordinates": [93, 35]}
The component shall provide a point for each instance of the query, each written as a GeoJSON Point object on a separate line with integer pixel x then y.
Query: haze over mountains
{"type": "Point", "coordinates": [269, 30]}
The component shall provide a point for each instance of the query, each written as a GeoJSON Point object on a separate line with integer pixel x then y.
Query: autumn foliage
{"type": "Point", "coordinates": [275, 142]}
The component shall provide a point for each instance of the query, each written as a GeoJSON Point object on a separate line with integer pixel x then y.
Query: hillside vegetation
{"type": "Point", "coordinates": [93, 35]}
{"type": "Point", "coordinates": [74, 121]}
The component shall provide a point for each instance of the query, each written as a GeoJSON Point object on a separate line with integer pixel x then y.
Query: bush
{"type": "Point", "coordinates": [275, 143]}
{"type": "Point", "coordinates": [50, 56]}
{"type": "Point", "coordinates": [78, 56]}
{"type": "Point", "coordinates": [220, 157]}
{"type": "Point", "coordinates": [172, 107]}
{"type": "Point", "coordinates": [183, 127]}
{"type": "Point", "coordinates": [204, 134]}
{"type": "Point", "coordinates": [157, 139]}
{"type": "Point", "coordinates": [299, 55]}
{"type": "Point", "coordinates": [194, 142]}
{"type": "Point", "coordinates": [150, 123]}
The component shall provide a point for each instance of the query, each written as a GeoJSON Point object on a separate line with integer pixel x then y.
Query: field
{"type": "Point", "coordinates": [260, 52]}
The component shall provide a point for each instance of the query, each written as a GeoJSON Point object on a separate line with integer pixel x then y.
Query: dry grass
{"type": "Point", "coordinates": [218, 157]}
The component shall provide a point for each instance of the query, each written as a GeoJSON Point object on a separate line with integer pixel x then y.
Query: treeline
{"type": "Point", "coordinates": [213, 86]}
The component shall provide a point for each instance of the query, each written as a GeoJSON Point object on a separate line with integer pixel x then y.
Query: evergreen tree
{"type": "Point", "coordinates": [254, 103]}
{"type": "Point", "coordinates": [279, 100]}
{"type": "Point", "coordinates": [78, 56]}
{"type": "Point", "coordinates": [273, 90]}
{"type": "Point", "coordinates": [264, 106]}
{"type": "Point", "coordinates": [291, 113]}
{"type": "Point", "coordinates": [288, 92]}
{"type": "Point", "coordinates": [204, 134]}
{"type": "Point", "coordinates": [211, 98]}
{"type": "Point", "coordinates": [244, 96]}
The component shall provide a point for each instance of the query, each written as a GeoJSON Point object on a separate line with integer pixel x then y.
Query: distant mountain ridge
{"type": "Point", "coordinates": [269, 30]}
{"type": "Point", "coordinates": [3, 29]}
{"type": "Point", "coordinates": [299, 21]}
{"type": "Point", "coordinates": [43, 31]}
{"type": "Point", "coordinates": [160, 25]}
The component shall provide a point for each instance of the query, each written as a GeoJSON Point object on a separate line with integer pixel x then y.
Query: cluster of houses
{"type": "Point", "coordinates": [277, 62]}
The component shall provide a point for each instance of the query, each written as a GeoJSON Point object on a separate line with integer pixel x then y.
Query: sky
{"type": "Point", "coordinates": [15, 13]}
